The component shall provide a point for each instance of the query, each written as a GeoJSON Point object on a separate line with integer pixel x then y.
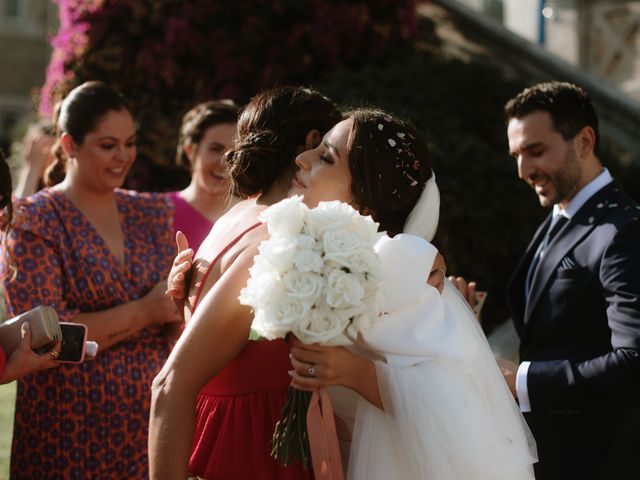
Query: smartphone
{"type": "Point", "coordinates": [74, 338]}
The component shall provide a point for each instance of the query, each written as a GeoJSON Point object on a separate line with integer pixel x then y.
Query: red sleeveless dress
{"type": "Point", "coordinates": [237, 410]}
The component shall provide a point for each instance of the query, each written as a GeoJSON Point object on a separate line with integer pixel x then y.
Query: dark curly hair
{"type": "Point", "coordinates": [198, 120]}
{"type": "Point", "coordinates": [272, 129]}
{"type": "Point", "coordinates": [78, 115]}
{"type": "Point", "coordinates": [389, 163]}
{"type": "Point", "coordinates": [568, 105]}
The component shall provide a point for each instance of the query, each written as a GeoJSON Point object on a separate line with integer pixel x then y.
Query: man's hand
{"type": "Point", "coordinates": [509, 370]}
{"type": "Point", "coordinates": [467, 289]}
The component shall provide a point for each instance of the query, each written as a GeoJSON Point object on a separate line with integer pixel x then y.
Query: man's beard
{"type": "Point", "coordinates": [564, 180]}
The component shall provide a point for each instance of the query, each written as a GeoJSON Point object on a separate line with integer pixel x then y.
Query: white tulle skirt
{"type": "Point", "coordinates": [447, 417]}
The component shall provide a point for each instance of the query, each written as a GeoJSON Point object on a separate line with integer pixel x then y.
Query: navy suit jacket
{"type": "Point", "coordinates": [580, 328]}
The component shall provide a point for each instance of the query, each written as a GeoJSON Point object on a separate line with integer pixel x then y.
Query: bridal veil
{"type": "Point", "coordinates": [448, 412]}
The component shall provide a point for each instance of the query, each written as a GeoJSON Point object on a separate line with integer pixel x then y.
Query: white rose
{"type": "Point", "coordinates": [262, 290]}
{"type": "Point", "coordinates": [358, 324]}
{"type": "Point", "coordinates": [341, 245]}
{"type": "Point", "coordinates": [260, 287]}
{"type": "Point", "coordinates": [260, 266]}
{"type": "Point", "coordinates": [320, 326]}
{"type": "Point", "coordinates": [367, 229]}
{"type": "Point", "coordinates": [291, 310]}
{"type": "Point", "coordinates": [308, 261]}
{"type": "Point", "coordinates": [329, 216]}
{"type": "Point", "coordinates": [278, 252]}
{"type": "Point", "coordinates": [266, 325]}
{"type": "Point", "coordinates": [276, 318]}
{"type": "Point", "coordinates": [344, 290]}
{"type": "Point", "coordinates": [307, 241]}
{"type": "Point", "coordinates": [366, 262]}
{"type": "Point", "coordinates": [305, 286]}
{"type": "Point", "coordinates": [285, 217]}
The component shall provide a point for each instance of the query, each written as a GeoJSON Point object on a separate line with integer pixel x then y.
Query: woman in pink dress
{"type": "Point", "coordinates": [207, 131]}
{"type": "Point", "coordinates": [238, 386]}
{"type": "Point", "coordinates": [99, 255]}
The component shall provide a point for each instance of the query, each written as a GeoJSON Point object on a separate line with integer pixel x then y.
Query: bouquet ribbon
{"type": "Point", "coordinates": [323, 440]}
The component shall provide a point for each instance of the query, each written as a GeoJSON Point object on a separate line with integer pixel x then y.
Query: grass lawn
{"type": "Point", "coordinates": [7, 398]}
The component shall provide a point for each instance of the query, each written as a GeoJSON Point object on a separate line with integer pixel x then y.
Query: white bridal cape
{"type": "Point", "coordinates": [448, 414]}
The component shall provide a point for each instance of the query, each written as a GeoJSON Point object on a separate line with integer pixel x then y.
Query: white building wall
{"type": "Point", "coordinates": [561, 30]}
{"type": "Point", "coordinates": [521, 17]}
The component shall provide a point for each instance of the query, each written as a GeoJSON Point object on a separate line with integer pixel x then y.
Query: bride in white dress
{"type": "Point", "coordinates": [424, 398]}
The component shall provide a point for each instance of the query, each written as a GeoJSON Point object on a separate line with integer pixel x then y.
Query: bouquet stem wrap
{"type": "Point", "coordinates": [323, 439]}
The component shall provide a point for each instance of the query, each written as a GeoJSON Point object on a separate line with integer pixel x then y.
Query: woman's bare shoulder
{"type": "Point", "coordinates": [247, 246]}
{"type": "Point", "coordinates": [228, 228]}
{"type": "Point", "coordinates": [236, 240]}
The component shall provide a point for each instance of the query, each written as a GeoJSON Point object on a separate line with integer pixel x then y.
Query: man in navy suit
{"type": "Point", "coordinates": [575, 295]}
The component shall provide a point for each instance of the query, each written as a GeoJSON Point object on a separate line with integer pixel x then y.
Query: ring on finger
{"type": "Point", "coordinates": [311, 371]}
{"type": "Point", "coordinates": [441, 271]}
{"type": "Point", "coordinates": [54, 355]}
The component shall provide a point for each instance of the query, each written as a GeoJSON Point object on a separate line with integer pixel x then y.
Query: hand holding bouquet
{"type": "Point", "coordinates": [319, 278]}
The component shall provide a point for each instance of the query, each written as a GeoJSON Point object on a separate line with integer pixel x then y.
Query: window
{"type": "Point", "coordinates": [25, 18]}
{"type": "Point", "coordinates": [11, 8]}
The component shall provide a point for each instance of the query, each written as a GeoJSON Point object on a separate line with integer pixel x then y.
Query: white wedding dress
{"type": "Point", "coordinates": [448, 414]}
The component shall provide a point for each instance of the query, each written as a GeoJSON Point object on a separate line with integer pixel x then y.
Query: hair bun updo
{"type": "Point", "coordinates": [252, 162]}
{"type": "Point", "coordinates": [272, 131]}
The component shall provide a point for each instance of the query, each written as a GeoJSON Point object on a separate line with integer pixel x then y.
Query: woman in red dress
{"type": "Point", "coordinates": [238, 386]}
{"type": "Point", "coordinates": [99, 256]}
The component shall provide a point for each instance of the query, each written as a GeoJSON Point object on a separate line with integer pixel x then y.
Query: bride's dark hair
{"type": "Point", "coordinates": [390, 165]}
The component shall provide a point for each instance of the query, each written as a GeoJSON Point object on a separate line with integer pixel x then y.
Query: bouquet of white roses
{"type": "Point", "coordinates": [319, 278]}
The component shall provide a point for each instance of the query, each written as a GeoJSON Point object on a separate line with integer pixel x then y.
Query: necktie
{"type": "Point", "coordinates": [556, 224]}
